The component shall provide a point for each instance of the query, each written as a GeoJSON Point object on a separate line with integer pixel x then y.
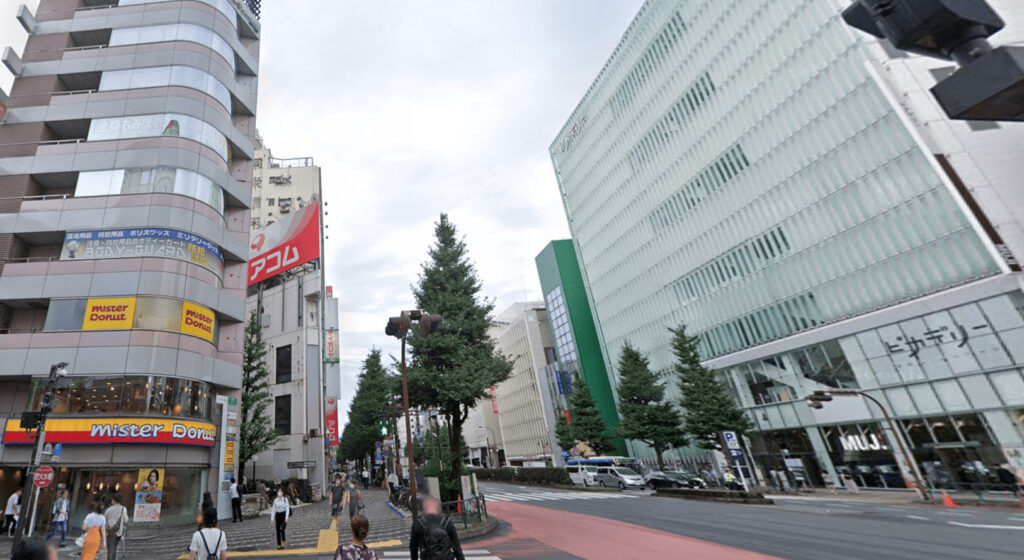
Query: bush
{"type": "Point", "coordinates": [526, 475]}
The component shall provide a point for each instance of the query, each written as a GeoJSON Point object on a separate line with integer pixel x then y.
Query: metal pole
{"type": "Point", "coordinates": [898, 436]}
{"type": "Point", "coordinates": [414, 495]}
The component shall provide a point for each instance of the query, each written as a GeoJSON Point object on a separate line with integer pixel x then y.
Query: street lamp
{"type": "Point", "coordinates": [489, 457]}
{"type": "Point", "coordinates": [816, 400]}
{"type": "Point", "coordinates": [36, 421]}
{"type": "Point", "coordinates": [398, 327]}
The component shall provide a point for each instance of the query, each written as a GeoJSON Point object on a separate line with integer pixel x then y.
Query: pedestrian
{"type": "Point", "coordinates": [117, 520]}
{"type": "Point", "coordinates": [337, 499]}
{"type": "Point", "coordinates": [433, 536]}
{"type": "Point", "coordinates": [236, 502]}
{"type": "Point", "coordinates": [208, 543]}
{"type": "Point", "coordinates": [61, 511]}
{"type": "Point", "coordinates": [357, 550]}
{"type": "Point", "coordinates": [393, 482]}
{"type": "Point", "coordinates": [33, 549]}
{"type": "Point", "coordinates": [264, 499]}
{"type": "Point", "coordinates": [94, 528]}
{"type": "Point", "coordinates": [11, 512]}
{"type": "Point", "coordinates": [206, 503]}
{"type": "Point", "coordinates": [280, 511]}
{"type": "Point", "coordinates": [355, 500]}
{"type": "Point", "coordinates": [366, 478]}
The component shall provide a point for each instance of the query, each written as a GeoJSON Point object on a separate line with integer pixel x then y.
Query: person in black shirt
{"type": "Point", "coordinates": [433, 535]}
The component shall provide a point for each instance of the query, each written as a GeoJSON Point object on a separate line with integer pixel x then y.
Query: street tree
{"type": "Point", "coordinates": [563, 433]}
{"type": "Point", "coordinates": [708, 409]}
{"type": "Point", "coordinates": [644, 415]}
{"type": "Point", "coordinates": [362, 431]}
{"type": "Point", "coordinates": [585, 423]}
{"type": "Point", "coordinates": [255, 433]}
{"type": "Point", "coordinates": [453, 368]}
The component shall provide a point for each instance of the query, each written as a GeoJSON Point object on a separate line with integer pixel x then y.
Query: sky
{"type": "Point", "coordinates": [413, 108]}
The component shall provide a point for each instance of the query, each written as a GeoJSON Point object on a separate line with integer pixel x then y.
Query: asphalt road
{"type": "Point", "coordinates": [794, 528]}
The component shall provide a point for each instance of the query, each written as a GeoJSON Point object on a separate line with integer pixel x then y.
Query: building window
{"type": "Point", "coordinates": [284, 363]}
{"type": "Point", "coordinates": [283, 414]}
{"type": "Point", "coordinates": [270, 202]}
{"type": "Point", "coordinates": [149, 126]}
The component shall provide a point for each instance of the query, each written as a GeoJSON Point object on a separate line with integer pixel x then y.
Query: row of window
{"type": "Point", "coordinates": [649, 60]}
{"type": "Point", "coordinates": [168, 124]}
{"type": "Point", "coordinates": [738, 263]}
{"type": "Point", "coordinates": [222, 6]}
{"type": "Point", "coordinates": [775, 321]}
{"type": "Point", "coordinates": [160, 76]}
{"type": "Point", "coordinates": [705, 183]}
{"type": "Point", "coordinates": [174, 32]}
{"type": "Point", "coordinates": [129, 394]}
{"type": "Point", "coordinates": [151, 313]}
{"type": "Point", "coordinates": [684, 108]}
{"type": "Point", "coordinates": [145, 180]}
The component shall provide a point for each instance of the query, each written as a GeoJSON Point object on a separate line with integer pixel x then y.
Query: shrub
{"type": "Point", "coordinates": [526, 475]}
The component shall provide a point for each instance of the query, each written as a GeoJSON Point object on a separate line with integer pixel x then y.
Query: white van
{"type": "Point", "coordinates": [582, 475]}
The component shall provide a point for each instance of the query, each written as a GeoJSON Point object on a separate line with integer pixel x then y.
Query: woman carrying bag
{"type": "Point", "coordinates": [95, 534]}
{"type": "Point", "coordinates": [280, 510]}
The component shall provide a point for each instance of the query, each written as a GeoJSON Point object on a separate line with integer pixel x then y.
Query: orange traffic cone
{"type": "Point", "coordinates": [459, 504]}
{"type": "Point", "coordinates": [948, 501]}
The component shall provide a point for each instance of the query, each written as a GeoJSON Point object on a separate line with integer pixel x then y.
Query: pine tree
{"type": "Point", "coordinates": [708, 409]}
{"type": "Point", "coordinates": [255, 433]}
{"type": "Point", "coordinates": [362, 431]}
{"type": "Point", "coordinates": [453, 368]}
{"type": "Point", "coordinates": [585, 422]}
{"type": "Point", "coordinates": [564, 434]}
{"type": "Point", "coordinates": [643, 416]}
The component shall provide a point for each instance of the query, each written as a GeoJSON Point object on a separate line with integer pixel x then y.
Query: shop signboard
{"type": "Point", "coordinates": [331, 422]}
{"type": "Point", "coordinates": [103, 314]}
{"type": "Point", "coordinates": [285, 244]}
{"type": "Point", "coordinates": [143, 242]}
{"type": "Point", "coordinates": [106, 431]}
{"type": "Point", "coordinates": [148, 495]}
{"type": "Point", "coordinates": [494, 399]}
{"type": "Point", "coordinates": [197, 320]}
{"type": "Point", "coordinates": [332, 356]}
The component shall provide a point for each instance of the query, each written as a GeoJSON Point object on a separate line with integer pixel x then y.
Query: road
{"type": "Point", "coordinates": [560, 522]}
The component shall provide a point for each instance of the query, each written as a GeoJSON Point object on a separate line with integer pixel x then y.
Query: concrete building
{"type": "Point", "coordinates": [281, 186]}
{"type": "Point", "coordinates": [577, 347]}
{"type": "Point", "coordinates": [789, 190]}
{"type": "Point", "coordinates": [125, 169]}
{"type": "Point", "coordinates": [482, 432]}
{"type": "Point", "coordinates": [525, 412]}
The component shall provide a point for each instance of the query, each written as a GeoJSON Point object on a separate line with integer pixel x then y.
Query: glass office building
{"type": "Point", "coordinates": [788, 190]}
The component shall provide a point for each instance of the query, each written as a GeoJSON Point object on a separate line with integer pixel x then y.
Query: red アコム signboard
{"type": "Point", "coordinates": [285, 244]}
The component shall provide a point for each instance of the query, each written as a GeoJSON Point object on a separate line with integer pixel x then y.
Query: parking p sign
{"type": "Point", "coordinates": [732, 441]}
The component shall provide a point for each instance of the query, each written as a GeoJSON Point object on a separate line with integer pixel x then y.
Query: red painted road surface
{"type": "Point", "coordinates": [538, 532]}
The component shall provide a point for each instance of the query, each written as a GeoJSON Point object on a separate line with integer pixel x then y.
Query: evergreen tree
{"type": "Point", "coordinates": [585, 422]}
{"type": "Point", "coordinates": [362, 431]}
{"type": "Point", "coordinates": [643, 416]}
{"type": "Point", "coordinates": [564, 434]}
{"type": "Point", "coordinates": [708, 409]}
{"type": "Point", "coordinates": [435, 454]}
{"type": "Point", "coordinates": [453, 367]}
{"type": "Point", "coordinates": [255, 433]}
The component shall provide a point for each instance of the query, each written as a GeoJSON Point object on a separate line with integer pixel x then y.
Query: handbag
{"type": "Point", "coordinates": [80, 541]}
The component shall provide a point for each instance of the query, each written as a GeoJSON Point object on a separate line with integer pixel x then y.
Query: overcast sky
{"type": "Point", "coordinates": [413, 108]}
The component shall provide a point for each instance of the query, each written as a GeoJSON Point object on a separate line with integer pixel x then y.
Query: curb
{"type": "Point", "coordinates": [480, 530]}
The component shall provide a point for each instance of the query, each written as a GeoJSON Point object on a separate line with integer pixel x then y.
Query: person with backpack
{"type": "Point", "coordinates": [208, 543]}
{"type": "Point", "coordinates": [61, 511]}
{"type": "Point", "coordinates": [117, 520]}
{"type": "Point", "coordinates": [357, 550]}
{"type": "Point", "coordinates": [280, 510]}
{"type": "Point", "coordinates": [433, 535]}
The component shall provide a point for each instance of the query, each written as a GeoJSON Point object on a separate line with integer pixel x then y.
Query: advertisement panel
{"type": "Point", "coordinates": [149, 492]}
{"type": "Point", "coordinates": [143, 242]}
{"type": "Point", "coordinates": [197, 320]}
{"type": "Point", "coordinates": [93, 431]}
{"type": "Point", "coordinates": [285, 244]}
{"type": "Point", "coordinates": [102, 314]}
{"type": "Point", "coordinates": [332, 356]}
{"type": "Point", "coordinates": [331, 421]}
{"type": "Point", "coordinates": [494, 399]}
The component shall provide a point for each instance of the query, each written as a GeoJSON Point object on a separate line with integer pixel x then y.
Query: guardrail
{"type": "Point", "coordinates": [472, 509]}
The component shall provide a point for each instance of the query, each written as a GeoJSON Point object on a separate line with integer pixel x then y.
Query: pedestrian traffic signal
{"type": "Point", "coordinates": [815, 399]}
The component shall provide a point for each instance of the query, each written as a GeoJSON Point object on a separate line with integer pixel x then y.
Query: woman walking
{"type": "Point", "coordinates": [355, 500]}
{"type": "Point", "coordinates": [358, 549]}
{"type": "Point", "coordinates": [279, 513]}
{"type": "Point", "coordinates": [95, 534]}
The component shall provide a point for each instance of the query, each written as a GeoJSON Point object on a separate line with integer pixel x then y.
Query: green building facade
{"type": "Point", "coordinates": [577, 349]}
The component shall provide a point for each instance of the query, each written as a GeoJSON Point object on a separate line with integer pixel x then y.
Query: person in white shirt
{"type": "Point", "coordinates": [366, 478]}
{"type": "Point", "coordinates": [393, 482]}
{"type": "Point", "coordinates": [280, 511]}
{"type": "Point", "coordinates": [117, 520]}
{"type": "Point", "coordinates": [236, 502]}
{"type": "Point", "coordinates": [11, 511]}
{"type": "Point", "coordinates": [208, 541]}
{"type": "Point", "coordinates": [61, 509]}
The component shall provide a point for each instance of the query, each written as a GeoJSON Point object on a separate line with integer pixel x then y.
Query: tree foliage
{"type": "Point", "coordinates": [436, 455]}
{"type": "Point", "coordinates": [255, 434]}
{"type": "Point", "coordinates": [563, 433]}
{"type": "Point", "coordinates": [643, 414]}
{"type": "Point", "coordinates": [362, 431]}
{"type": "Point", "coordinates": [452, 368]}
{"type": "Point", "coordinates": [585, 423]}
{"type": "Point", "coordinates": [708, 409]}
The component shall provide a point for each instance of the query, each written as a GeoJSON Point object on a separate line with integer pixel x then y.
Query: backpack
{"type": "Point", "coordinates": [211, 555]}
{"type": "Point", "coordinates": [436, 543]}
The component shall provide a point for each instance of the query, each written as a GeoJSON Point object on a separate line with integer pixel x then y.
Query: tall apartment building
{"type": "Point", "coordinates": [577, 347]}
{"type": "Point", "coordinates": [525, 411]}
{"type": "Point", "coordinates": [788, 189]}
{"type": "Point", "coordinates": [125, 169]}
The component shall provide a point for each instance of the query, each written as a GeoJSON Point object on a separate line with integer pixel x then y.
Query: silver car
{"type": "Point", "coordinates": [620, 477]}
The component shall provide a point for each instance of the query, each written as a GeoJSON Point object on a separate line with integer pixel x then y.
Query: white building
{"type": "Point", "coordinates": [788, 189]}
{"type": "Point", "coordinates": [482, 432]}
{"type": "Point", "coordinates": [281, 186]}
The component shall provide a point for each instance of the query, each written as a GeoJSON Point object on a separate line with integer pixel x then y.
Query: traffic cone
{"type": "Point", "coordinates": [948, 501]}
{"type": "Point", "coordinates": [459, 504]}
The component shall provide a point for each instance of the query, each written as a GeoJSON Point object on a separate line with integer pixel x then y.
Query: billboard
{"type": "Point", "coordinates": [331, 421]}
{"type": "Point", "coordinates": [143, 242]}
{"type": "Point", "coordinates": [115, 430]}
{"type": "Point", "coordinates": [285, 244]}
{"type": "Point", "coordinates": [197, 320]}
{"type": "Point", "coordinates": [332, 355]}
{"type": "Point", "coordinates": [102, 314]}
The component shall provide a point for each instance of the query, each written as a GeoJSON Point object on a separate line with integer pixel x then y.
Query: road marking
{"type": "Point", "coordinates": [553, 496]}
{"type": "Point", "coordinates": [918, 517]}
{"type": "Point", "coordinates": [974, 526]}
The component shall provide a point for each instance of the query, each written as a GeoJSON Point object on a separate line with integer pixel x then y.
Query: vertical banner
{"type": "Point", "coordinates": [332, 356]}
{"type": "Point", "coordinates": [494, 399]}
{"type": "Point", "coordinates": [230, 438]}
{"type": "Point", "coordinates": [331, 422]}
{"type": "Point", "coordinates": [149, 491]}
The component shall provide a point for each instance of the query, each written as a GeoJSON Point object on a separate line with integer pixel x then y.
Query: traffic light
{"type": "Point", "coordinates": [429, 324]}
{"type": "Point", "coordinates": [815, 399]}
{"type": "Point", "coordinates": [398, 326]}
{"type": "Point", "coordinates": [382, 426]}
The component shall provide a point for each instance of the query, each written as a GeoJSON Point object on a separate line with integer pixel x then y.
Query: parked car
{"type": "Point", "coordinates": [659, 479]}
{"type": "Point", "coordinates": [621, 477]}
{"type": "Point", "coordinates": [582, 475]}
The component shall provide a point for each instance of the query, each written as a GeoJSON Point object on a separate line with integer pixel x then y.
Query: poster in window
{"type": "Point", "coordinates": [197, 320]}
{"type": "Point", "coordinates": [103, 314]}
{"type": "Point", "coordinates": [149, 492]}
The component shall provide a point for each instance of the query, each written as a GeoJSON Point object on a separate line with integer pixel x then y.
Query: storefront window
{"type": "Point", "coordinates": [142, 180]}
{"type": "Point", "coordinates": [157, 314]}
{"type": "Point", "coordinates": [169, 124]}
{"type": "Point", "coordinates": [136, 394]}
{"type": "Point", "coordinates": [180, 492]}
{"type": "Point", "coordinates": [943, 429]}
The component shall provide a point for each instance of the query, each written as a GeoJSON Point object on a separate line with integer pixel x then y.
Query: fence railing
{"type": "Point", "coordinates": [467, 510]}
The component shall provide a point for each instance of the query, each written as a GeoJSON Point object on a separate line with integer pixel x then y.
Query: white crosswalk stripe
{"type": "Point", "coordinates": [474, 554]}
{"type": "Point", "coordinates": [553, 496]}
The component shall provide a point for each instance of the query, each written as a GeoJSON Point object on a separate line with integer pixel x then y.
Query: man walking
{"type": "Point", "coordinates": [11, 512]}
{"type": "Point", "coordinates": [337, 498]}
{"type": "Point", "coordinates": [366, 478]}
{"type": "Point", "coordinates": [236, 502]}
{"type": "Point", "coordinates": [61, 510]}
{"type": "Point", "coordinates": [117, 520]}
{"type": "Point", "coordinates": [434, 536]}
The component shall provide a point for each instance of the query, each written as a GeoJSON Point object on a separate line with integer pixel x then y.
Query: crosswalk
{"type": "Point", "coordinates": [474, 554]}
{"type": "Point", "coordinates": [554, 496]}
